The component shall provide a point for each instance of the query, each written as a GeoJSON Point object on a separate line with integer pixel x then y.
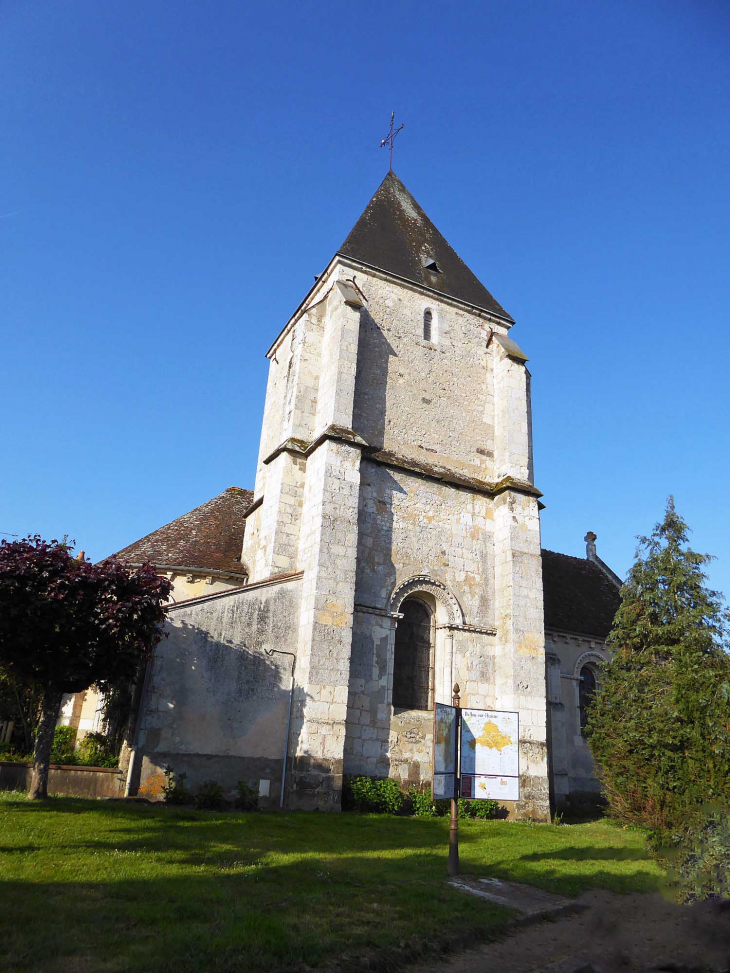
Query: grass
{"type": "Point", "coordinates": [92, 885]}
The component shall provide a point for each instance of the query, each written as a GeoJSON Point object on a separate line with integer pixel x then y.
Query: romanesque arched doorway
{"type": "Point", "coordinates": [414, 656]}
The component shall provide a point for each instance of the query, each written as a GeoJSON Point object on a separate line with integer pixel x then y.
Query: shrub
{"type": "Point", "coordinates": [210, 797]}
{"type": "Point", "coordinates": [247, 797]}
{"type": "Point", "coordinates": [97, 750]}
{"type": "Point", "coordinates": [422, 804]}
{"type": "Point", "coordinates": [8, 752]}
{"type": "Point", "coordinates": [174, 789]}
{"type": "Point", "coordinates": [374, 795]}
{"type": "Point", "coordinates": [483, 810]}
{"type": "Point", "coordinates": [62, 751]}
{"type": "Point", "coordinates": [698, 859]}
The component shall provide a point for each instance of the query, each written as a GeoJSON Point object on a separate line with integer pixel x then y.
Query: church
{"type": "Point", "coordinates": [390, 548]}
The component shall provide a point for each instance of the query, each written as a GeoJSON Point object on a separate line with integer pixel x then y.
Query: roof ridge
{"type": "Point", "coordinates": [395, 235]}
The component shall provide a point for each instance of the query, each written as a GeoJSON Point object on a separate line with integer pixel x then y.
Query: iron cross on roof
{"type": "Point", "coordinates": [390, 139]}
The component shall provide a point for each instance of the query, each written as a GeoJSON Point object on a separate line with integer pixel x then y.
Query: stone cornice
{"type": "Point", "coordinates": [476, 629]}
{"type": "Point", "coordinates": [383, 612]}
{"type": "Point", "coordinates": [339, 258]}
{"type": "Point", "coordinates": [290, 445]}
{"type": "Point", "coordinates": [435, 471]}
{"type": "Point", "coordinates": [340, 434]}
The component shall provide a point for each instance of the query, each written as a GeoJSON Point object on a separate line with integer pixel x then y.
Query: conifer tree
{"type": "Point", "coordinates": [659, 726]}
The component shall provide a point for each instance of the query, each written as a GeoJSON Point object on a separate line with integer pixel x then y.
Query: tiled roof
{"type": "Point", "coordinates": [395, 235]}
{"type": "Point", "coordinates": [209, 537]}
{"type": "Point", "coordinates": [579, 596]}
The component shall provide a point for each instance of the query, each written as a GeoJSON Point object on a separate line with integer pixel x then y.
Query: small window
{"type": "Point", "coordinates": [428, 324]}
{"type": "Point", "coordinates": [586, 692]}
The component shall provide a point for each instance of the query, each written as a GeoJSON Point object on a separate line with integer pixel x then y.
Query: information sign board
{"type": "Point", "coordinates": [445, 732]}
{"type": "Point", "coordinates": [490, 755]}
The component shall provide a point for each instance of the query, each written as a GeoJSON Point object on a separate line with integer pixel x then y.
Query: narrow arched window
{"type": "Point", "coordinates": [412, 663]}
{"type": "Point", "coordinates": [586, 691]}
{"type": "Point", "coordinates": [427, 324]}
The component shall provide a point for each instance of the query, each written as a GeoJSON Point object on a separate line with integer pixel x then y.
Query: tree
{"type": "Point", "coordinates": [67, 624]}
{"type": "Point", "coordinates": [659, 726]}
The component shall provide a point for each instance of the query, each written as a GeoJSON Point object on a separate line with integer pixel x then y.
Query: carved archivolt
{"type": "Point", "coordinates": [594, 657]}
{"type": "Point", "coordinates": [440, 592]}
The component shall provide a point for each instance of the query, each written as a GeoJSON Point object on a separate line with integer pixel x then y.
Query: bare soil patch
{"type": "Point", "coordinates": [615, 934]}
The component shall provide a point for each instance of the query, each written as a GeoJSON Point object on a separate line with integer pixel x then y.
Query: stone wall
{"type": "Point", "coordinates": [65, 781]}
{"type": "Point", "coordinates": [429, 400]}
{"type": "Point", "coordinates": [573, 770]}
{"type": "Point", "coordinates": [215, 705]}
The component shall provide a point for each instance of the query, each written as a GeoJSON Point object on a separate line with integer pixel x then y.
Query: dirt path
{"type": "Point", "coordinates": [615, 934]}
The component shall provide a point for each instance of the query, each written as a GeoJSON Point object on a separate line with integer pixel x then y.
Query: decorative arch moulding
{"type": "Point", "coordinates": [423, 583]}
{"type": "Point", "coordinates": [595, 657]}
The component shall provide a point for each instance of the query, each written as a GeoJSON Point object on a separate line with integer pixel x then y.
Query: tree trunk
{"type": "Point", "coordinates": [50, 706]}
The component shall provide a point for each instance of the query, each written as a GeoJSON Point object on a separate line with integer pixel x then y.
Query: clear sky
{"type": "Point", "coordinates": [173, 175]}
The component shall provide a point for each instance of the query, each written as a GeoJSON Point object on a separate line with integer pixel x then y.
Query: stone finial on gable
{"type": "Point", "coordinates": [590, 540]}
{"type": "Point", "coordinates": [591, 555]}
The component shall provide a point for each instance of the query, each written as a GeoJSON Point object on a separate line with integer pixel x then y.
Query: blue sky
{"type": "Point", "coordinates": [173, 174]}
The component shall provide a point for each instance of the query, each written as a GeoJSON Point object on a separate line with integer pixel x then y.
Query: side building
{"type": "Point", "coordinates": [200, 553]}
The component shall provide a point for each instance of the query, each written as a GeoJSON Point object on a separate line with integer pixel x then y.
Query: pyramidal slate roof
{"type": "Point", "coordinates": [209, 537]}
{"type": "Point", "coordinates": [395, 235]}
{"type": "Point", "coordinates": [579, 596]}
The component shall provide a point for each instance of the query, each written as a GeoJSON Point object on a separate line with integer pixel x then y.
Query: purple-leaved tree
{"type": "Point", "coordinates": [68, 624]}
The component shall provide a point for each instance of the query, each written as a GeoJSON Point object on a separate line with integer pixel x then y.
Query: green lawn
{"type": "Point", "coordinates": [92, 885]}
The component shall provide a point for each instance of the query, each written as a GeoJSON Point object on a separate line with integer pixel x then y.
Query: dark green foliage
{"type": "Point", "coordinates": [483, 810]}
{"type": "Point", "coordinates": [370, 794]}
{"type": "Point", "coordinates": [62, 751]}
{"type": "Point", "coordinates": [423, 805]}
{"type": "Point", "coordinates": [9, 752]}
{"type": "Point", "coordinates": [698, 859]}
{"type": "Point", "coordinates": [19, 703]}
{"type": "Point", "coordinates": [93, 750]}
{"type": "Point", "coordinates": [659, 726]}
{"type": "Point", "coordinates": [174, 787]}
{"type": "Point", "coordinates": [247, 798]}
{"type": "Point", "coordinates": [210, 797]}
{"type": "Point", "coordinates": [384, 796]}
{"type": "Point", "coordinates": [97, 750]}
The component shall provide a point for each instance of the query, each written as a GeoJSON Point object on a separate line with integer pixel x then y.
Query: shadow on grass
{"type": "Point", "coordinates": [589, 853]}
{"type": "Point", "coordinates": [260, 917]}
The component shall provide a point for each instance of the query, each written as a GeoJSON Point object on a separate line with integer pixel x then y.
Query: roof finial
{"type": "Point", "coordinates": [390, 139]}
{"type": "Point", "coordinates": [590, 540]}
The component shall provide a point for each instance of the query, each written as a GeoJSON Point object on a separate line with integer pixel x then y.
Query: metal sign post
{"type": "Point", "coordinates": [476, 756]}
{"type": "Point", "coordinates": [454, 823]}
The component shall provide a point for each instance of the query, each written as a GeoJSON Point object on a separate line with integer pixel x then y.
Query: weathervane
{"type": "Point", "coordinates": [390, 139]}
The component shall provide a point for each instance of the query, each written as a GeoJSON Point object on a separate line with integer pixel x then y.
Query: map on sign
{"type": "Point", "coordinates": [490, 754]}
{"type": "Point", "coordinates": [444, 751]}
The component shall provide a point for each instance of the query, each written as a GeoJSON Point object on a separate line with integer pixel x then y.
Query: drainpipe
{"type": "Point", "coordinates": [270, 652]}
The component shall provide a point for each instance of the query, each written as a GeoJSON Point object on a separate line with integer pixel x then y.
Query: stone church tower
{"type": "Point", "coordinates": [390, 548]}
{"type": "Point", "coordinates": [395, 482]}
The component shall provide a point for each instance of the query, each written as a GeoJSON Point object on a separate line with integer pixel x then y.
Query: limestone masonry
{"type": "Point", "coordinates": [391, 549]}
